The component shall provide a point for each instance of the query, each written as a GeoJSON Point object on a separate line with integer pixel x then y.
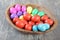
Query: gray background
{"type": "Point", "coordinates": [9, 33]}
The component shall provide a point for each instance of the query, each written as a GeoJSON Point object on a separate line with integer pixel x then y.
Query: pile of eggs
{"type": "Point", "coordinates": [29, 18]}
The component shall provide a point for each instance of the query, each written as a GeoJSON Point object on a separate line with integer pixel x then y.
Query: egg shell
{"type": "Point", "coordinates": [31, 23]}
{"type": "Point", "coordinates": [13, 10]}
{"type": "Point", "coordinates": [41, 13]}
{"type": "Point", "coordinates": [29, 9]}
{"type": "Point", "coordinates": [13, 15]}
{"type": "Point", "coordinates": [19, 13]}
{"type": "Point", "coordinates": [23, 8]}
{"type": "Point", "coordinates": [20, 24]}
{"type": "Point", "coordinates": [28, 27]}
{"type": "Point", "coordinates": [41, 27]}
{"type": "Point", "coordinates": [34, 11]}
{"type": "Point", "coordinates": [21, 17]}
{"type": "Point", "coordinates": [18, 7]}
{"type": "Point", "coordinates": [27, 16]}
{"type": "Point", "coordinates": [49, 21]}
{"type": "Point", "coordinates": [34, 28]}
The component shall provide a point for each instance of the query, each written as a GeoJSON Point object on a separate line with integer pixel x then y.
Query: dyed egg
{"type": "Point", "coordinates": [44, 17]}
{"type": "Point", "coordinates": [19, 13]}
{"type": "Point", "coordinates": [39, 22]}
{"type": "Point", "coordinates": [47, 26]}
{"type": "Point", "coordinates": [24, 21]}
{"type": "Point", "coordinates": [41, 27]}
{"type": "Point", "coordinates": [20, 24]}
{"type": "Point", "coordinates": [18, 7]}
{"type": "Point", "coordinates": [29, 9]}
{"type": "Point", "coordinates": [27, 16]}
{"type": "Point", "coordinates": [13, 15]}
{"type": "Point", "coordinates": [13, 10]}
{"type": "Point", "coordinates": [21, 17]}
{"type": "Point", "coordinates": [35, 18]}
{"type": "Point", "coordinates": [24, 12]}
{"type": "Point", "coordinates": [28, 27]}
{"type": "Point", "coordinates": [31, 23]}
{"type": "Point", "coordinates": [23, 8]}
{"type": "Point", "coordinates": [35, 11]}
{"type": "Point", "coordinates": [34, 28]}
{"type": "Point", "coordinates": [49, 21]}
{"type": "Point", "coordinates": [41, 13]}
{"type": "Point", "coordinates": [15, 19]}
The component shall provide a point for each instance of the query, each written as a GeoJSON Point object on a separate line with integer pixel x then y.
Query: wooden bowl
{"type": "Point", "coordinates": [39, 8]}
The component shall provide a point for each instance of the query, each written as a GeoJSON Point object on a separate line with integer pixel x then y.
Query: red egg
{"type": "Point", "coordinates": [27, 16]}
{"type": "Point", "coordinates": [35, 18]}
{"type": "Point", "coordinates": [31, 23]}
{"type": "Point", "coordinates": [20, 24]}
{"type": "Point", "coordinates": [49, 21]}
{"type": "Point", "coordinates": [39, 22]}
{"type": "Point", "coordinates": [16, 19]}
{"type": "Point", "coordinates": [44, 17]}
{"type": "Point", "coordinates": [24, 21]}
{"type": "Point", "coordinates": [28, 27]}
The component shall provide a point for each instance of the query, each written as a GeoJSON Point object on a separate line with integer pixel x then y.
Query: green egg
{"type": "Point", "coordinates": [35, 11]}
{"type": "Point", "coordinates": [41, 13]}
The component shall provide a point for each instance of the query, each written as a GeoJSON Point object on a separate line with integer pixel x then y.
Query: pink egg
{"type": "Point", "coordinates": [23, 8]}
{"type": "Point", "coordinates": [13, 10]}
{"type": "Point", "coordinates": [18, 7]}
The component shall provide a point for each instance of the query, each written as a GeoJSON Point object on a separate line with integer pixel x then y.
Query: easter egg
{"type": "Point", "coordinates": [49, 21]}
{"type": "Point", "coordinates": [28, 27]}
{"type": "Point", "coordinates": [31, 23]}
{"type": "Point", "coordinates": [13, 15]}
{"type": "Point", "coordinates": [29, 9]}
{"type": "Point", "coordinates": [24, 21]}
{"type": "Point", "coordinates": [24, 12]}
{"type": "Point", "coordinates": [21, 17]}
{"type": "Point", "coordinates": [39, 22]}
{"type": "Point", "coordinates": [41, 13]}
{"type": "Point", "coordinates": [19, 13]}
{"type": "Point", "coordinates": [34, 28]}
{"type": "Point", "coordinates": [20, 24]}
{"type": "Point", "coordinates": [41, 27]}
{"type": "Point", "coordinates": [13, 10]}
{"type": "Point", "coordinates": [47, 26]}
{"type": "Point", "coordinates": [34, 11]}
{"type": "Point", "coordinates": [23, 8]}
{"type": "Point", "coordinates": [15, 19]}
{"type": "Point", "coordinates": [18, 7]}
{"type": "Point", "coordinates": [35, 18]}
{"type": "Point", "coordinates": [27, 16]}
{"type": "Point", "coordinates": [44, 17]}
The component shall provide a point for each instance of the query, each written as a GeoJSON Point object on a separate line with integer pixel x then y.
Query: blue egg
{"type": "Point", "coordinates": [19, 13]}
{"type": "Point", "coordinates": [41, 27]}
{"type": "Point", "coordinates": [47, 26]}
{"type": "Point", "coordinates": [34, 28]}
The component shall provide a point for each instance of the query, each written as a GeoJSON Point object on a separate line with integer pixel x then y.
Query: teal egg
{"type": "Point", "coordinates": [43, 27]}
{"type": "Point", "coordinates": [41, 13]}
{"type": "Point", "coordinates": [35, 11]}
{"type": "Point", "coordinates": [34, 28]}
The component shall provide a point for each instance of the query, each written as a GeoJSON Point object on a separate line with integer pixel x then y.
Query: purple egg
{"type": "Point", "coordinates": [23, 8]}
{"type": "Point", "coordinates": [18, 7]}
{"type": "Point", "coordinates": [24, 12]}
{"type": "Point", "coordinates": [13, 15]}
{"type": "Point", "coordinates": [13, 10]}
{"type": "Point", "coordinates": [19, 13]}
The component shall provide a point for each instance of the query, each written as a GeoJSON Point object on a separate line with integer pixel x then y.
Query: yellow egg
{"type": "Point", "coordinates": [21, 17]}
{"type": "Point", "coordinates": [29, 9]}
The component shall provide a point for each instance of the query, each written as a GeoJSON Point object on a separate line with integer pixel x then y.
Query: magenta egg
{"type": "Point", "coordinates": [23, 8]}
{"type": "Point", "coordinates": [13, 10]}
{"type": "Point", "coordinates": [18, 7]}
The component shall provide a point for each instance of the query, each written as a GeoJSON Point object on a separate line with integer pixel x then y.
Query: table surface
{"type": "Point", "coordinates": [7, 32]}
